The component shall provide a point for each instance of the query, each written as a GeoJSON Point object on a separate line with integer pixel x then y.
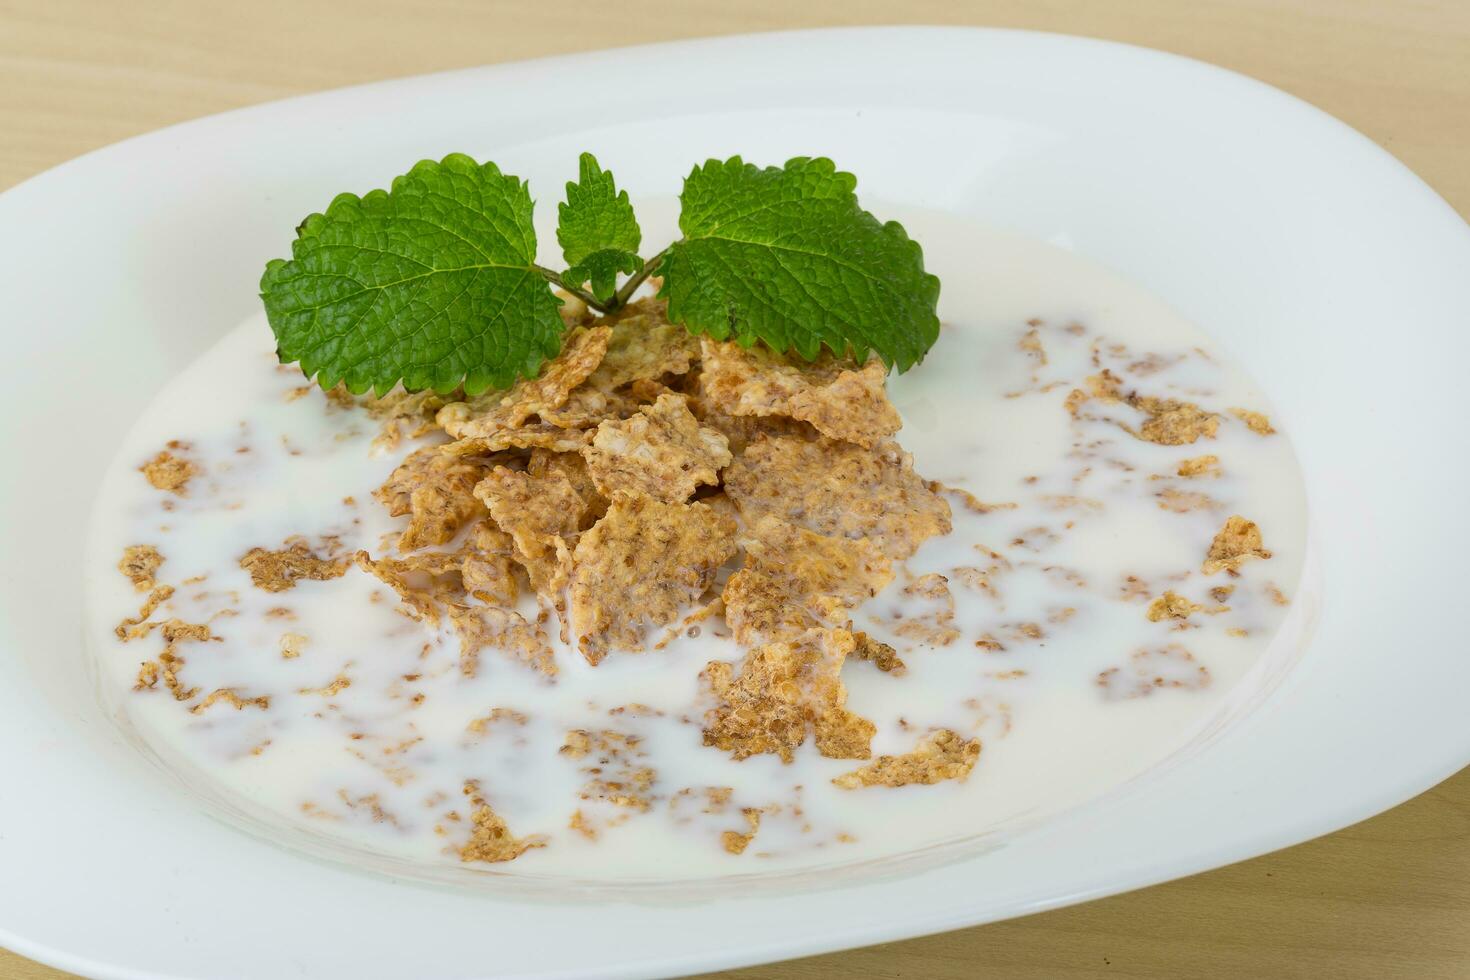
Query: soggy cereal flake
{"type": "Point", "coordinates": [1255, 421]}
{"type": "Point", "coordinates": [292, 645]}
{"type": "Point", "coordinates": [336, 685]}
{"type": "Point", "coordinates": [1184, 501]}
{"type": "Point", "coordinates": [638, 565]}
{"type": "Point", "coordinates": [479, 725]}
{"type": "Point", "coordinates": [134, 627]}
{"type": "Point", "coordinates": [1174, 423]}
{"type": "Point", "coordinates": [433, 585]}
{"type": "Point", "coordinates": [935, 625]}
{"type": "Point", "coordinates": [968, 500]}
{"type": "Point", "coordinates": [840, 399]}
{"type": "Point", "coordinates": [490, 839]}
{"type": "Point", "coordinates": [940, 756]}
{"type": "Point", "coordinates": [1238, 540]}
{"type": "Point", "coordinates": [403, 414]}
{"type": "Point", "coordinates": [794, 579]}
{"type": "Point", "coordinates": [882, 656]}
{"type": "Point", "coordinates": [540, 435]}
{"type": "Point", "coordinates": [140, 562]}
{"type": "Point", "coordinates": [169, 472]}
{"type": "Point", "coordinates": [1030, 345]}
{"type": "Point", "coordinates": [228, 696]}
{"type": "Point", "coordinates": [1172, 605]}
{"type": "Point", "coordinates": [277, 571]}
{"type": "Point", "coordinates": [784, 690]}
{"type": "Point", "coordinates": [662, 451]}
{"type": "Point", "coordinates": [169, 663]}
{"type": "Point", "coordinates": [1208, 465]}
{"type": "Point", "coordinates": [437, 491]}
{"type": "Point", "coordinates": [837, 488]}
{"type": "Point", "coordinates": [542, 514]}
{"type": "Point", "coordinates": [1151, 670]}
{"type": "Point", "coordinates": [735, 842]}
{"type": "Point", "coordinates": [480, 626]}
{"type": "Point", "coordinates": [485, 415]}
{"type": "Point", "coordinates": [1170, 422]}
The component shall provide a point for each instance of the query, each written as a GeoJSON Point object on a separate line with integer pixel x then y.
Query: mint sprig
{"type": "Point", "coordinates": [785, 255]}
{"type": "Point", "coordinates": [433, 284]}
{"type": "Point", "coordinates": [598, 233]}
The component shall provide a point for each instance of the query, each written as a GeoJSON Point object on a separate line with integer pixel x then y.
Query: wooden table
{"type": "Point", "coordinates": [1388, 898]}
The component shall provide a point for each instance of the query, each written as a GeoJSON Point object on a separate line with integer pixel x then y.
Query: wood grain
{"type": "Point", "coordinates": [1389, 898]}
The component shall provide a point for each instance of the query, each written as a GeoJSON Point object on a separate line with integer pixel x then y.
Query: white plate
{"type": "Point", "coordinates": [1337, 278]}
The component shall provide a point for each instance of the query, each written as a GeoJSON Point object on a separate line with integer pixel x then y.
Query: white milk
{"type": "Point", "coordinates": [369, 773]}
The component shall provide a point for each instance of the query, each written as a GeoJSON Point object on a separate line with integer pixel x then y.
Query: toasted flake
{"type": "Point", "coordinates": [1238, 540]}
{"type": "Point", "coordinates": [490, 839]}
{"type": "Point", "coordinates": [786, 690]}
{"type": "Point", "coordinates": [662, 451]}
{"type": "Point", "coordinates": [437, 491]}
{"type": "Point", "coordinates": [741, 430]}
{"type": "Point", "coordinates": [794, 579]}
{"type": "Point", "coordinates": [488, 563]}
{"type": "Point", "coordinates": [842, 400]}
{"type": "Point", "coordinates": [277, 571]}
{"type": "Point", "coordinates": [837, 488]}
{"type": "Point", "coordinates": [292, 644]}
{"type": "Point", "coordinates": [541, 435]}
{"type": "Point", "coordinates": [1151, 670]}
{"type": "Point", "coordinates": [586, 406]}
{"type": "Point", "coordinates": [940, 756]}
{"type": "Point", "coordinates": [1255, 421]}
{"type": "Point", "coordinates": [644, 346]}
{"type": "Point", "coordinates": [542, 514]}
{"type": "Point", "coordinates": [169, 472]}
{"type": "Point", "coordinates": [1172, 605]}
{"type": "Point", "coordinates": [638, 565]}
{"type": "Point", "coordinates": [140, 562]}
{"type": "Point", "coordinates": [882, 656]}
{"type": "Point", "coordinates": [1208, 465]}
{"type": "Point", "coordinates": [488, 414]}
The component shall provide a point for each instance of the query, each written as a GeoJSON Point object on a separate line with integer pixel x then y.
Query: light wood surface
{"type": "Point", "coordinates": [1389, 898]}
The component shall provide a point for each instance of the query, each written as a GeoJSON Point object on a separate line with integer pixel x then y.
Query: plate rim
{"type": "Point", "coordinates": [1407, 785]}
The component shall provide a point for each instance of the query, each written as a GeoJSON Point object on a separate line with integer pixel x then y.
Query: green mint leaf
{"type": "Point", "coordinates": [433, 284]}
{"type": "Point", "coordinates": [598, 234]}
{"type": "Point", "coordinates": [786, 256]}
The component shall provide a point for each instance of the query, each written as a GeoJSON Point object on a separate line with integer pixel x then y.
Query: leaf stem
{"type": "Point", "coordinates": [556, 280]}
{"type": "Point", "coordinates": [621, 297]}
